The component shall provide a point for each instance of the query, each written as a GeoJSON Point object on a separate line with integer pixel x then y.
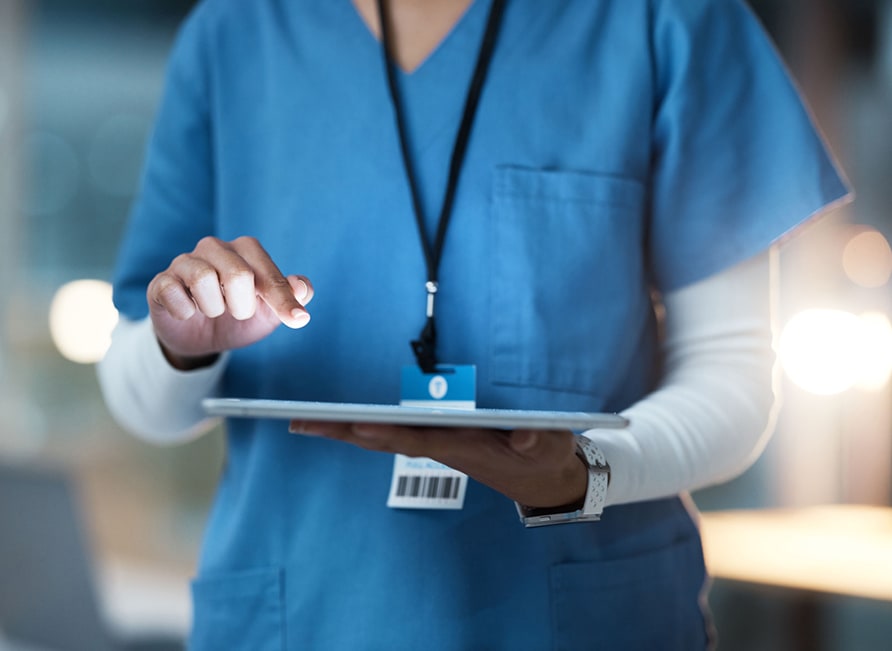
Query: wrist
{"type": "Point", "coordinates": [568, 495]}
{"type": "Point", "coordinates": [592, 505]}
{"type": "Point", "coordinates": [187, 362]}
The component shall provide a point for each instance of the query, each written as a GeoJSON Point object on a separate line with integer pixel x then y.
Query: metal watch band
{"type": "Point", "coordinates": [595, 494]}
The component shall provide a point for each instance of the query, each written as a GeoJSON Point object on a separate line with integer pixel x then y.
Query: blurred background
{"type": "Point", "coordinates": [79, 82]}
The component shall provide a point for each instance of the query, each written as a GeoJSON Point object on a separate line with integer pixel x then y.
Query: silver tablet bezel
{"type": "Point", "coordinates": [414, 416]}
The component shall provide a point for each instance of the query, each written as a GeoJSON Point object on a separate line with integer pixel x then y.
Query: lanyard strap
{"type": "Point", "coordinates": [425, 346]}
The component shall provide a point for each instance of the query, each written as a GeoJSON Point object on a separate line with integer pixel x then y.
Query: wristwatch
{"type": "Point", "coordinates": [589, 509]}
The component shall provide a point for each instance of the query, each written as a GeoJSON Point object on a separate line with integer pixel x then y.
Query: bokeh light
{"type": "Point", "coordinates": [867, 259]}
{"type": "Point", "coordinates": [827, 352]}
{"type": "Point", "coordinates": [876, 348]}
{"type": "Point", "coordinates": [82, 317]}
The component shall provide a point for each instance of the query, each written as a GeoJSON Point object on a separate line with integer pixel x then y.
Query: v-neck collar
{"type": "Point", "coordinates": [460, 35]}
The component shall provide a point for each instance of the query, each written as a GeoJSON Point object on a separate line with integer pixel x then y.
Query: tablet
{"type": "Point", "coordinates": [419, 416]}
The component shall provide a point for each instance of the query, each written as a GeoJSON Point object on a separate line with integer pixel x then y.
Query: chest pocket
{"type": "Point", "coordinates": [568, 294]}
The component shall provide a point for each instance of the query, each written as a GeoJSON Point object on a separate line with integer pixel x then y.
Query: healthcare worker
{"type": "Point", "coordinates": [576, 200]}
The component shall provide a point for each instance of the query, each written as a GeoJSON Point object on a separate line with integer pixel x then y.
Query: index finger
{"type": "Point", "coordinates": [271, 285]}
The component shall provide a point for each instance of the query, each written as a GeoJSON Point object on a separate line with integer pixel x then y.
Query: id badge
{"type": "Point", "coordinates": [420, 483]}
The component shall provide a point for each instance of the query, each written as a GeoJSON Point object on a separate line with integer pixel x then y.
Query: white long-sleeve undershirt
{"type": "Point", "coordinates": [705, 423]}
{"type": "Point", "coordinates": [715, 406]}
{"type": "Point", "coordinates": [149, 397]}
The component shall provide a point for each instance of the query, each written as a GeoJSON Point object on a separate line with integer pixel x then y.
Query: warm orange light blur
{"type": "Point", "coordinates": [867, 259]}
{"type": "Point", "coordinates": [836, 549]}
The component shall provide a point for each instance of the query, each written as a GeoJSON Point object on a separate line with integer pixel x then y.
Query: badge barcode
{"type": "Point", "coordinates": [428, 487]}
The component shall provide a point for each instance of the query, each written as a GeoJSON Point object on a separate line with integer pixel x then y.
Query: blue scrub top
{"type": "Point", "coordinates": [619, 148]}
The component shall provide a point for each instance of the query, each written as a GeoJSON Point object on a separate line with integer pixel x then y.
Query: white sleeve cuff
{"type": "Point", "coordinates": [146, 395]}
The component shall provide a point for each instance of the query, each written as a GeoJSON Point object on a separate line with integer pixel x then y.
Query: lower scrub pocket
{"type": "Point", "coordinates": [239, 610]}
{"type": "Point", "coordinates": [650, 602]}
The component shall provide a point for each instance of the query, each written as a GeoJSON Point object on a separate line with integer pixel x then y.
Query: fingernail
{"type": "Point", "coordinates": [297, 427]}
{"type": "Point", "coordinates": [299, 318]}
{"type": "Point", "coordinates": [301, 294]}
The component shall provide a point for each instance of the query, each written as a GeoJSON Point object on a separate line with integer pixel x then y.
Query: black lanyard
{"type": "Point", "coordinates": [425, 345]}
